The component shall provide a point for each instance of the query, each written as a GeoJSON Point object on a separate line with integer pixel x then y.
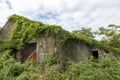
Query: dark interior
{"type": "Point", "coordinates": [28, 49]}
{"type": "Point", "coordinates": [95, 54]}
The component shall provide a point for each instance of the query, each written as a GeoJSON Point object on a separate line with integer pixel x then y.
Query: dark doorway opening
{"type": "Point", "coordinates": [27, 50]}
{"type": "Point", "coordinates": [95, 54]}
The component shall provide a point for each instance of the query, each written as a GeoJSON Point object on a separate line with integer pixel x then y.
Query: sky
{"type": "Point", "coordinates": [70, 14]}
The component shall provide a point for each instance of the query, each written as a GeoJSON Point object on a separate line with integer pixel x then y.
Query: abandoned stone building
{"type": "Point", "coordinates": [43, 46]}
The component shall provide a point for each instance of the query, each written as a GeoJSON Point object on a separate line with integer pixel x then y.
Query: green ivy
{"type": "Point", "coordinates": [25, 30]}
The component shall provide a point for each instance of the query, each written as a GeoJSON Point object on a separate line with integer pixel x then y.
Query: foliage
{"type": "Point", "coordinates": [22, 31]}
{"type": "Point", "coordinates": [25, 30]}
{"type": "Point", "coordinates": [3, 44]}
{"type": "Point", "coordinates": [107, 68]}
{"type": "Point", "coordinates": [103, 69]}
{"type": "Point", "coordinates": [111, 35]}
{"type": "Point", "coordinates": [10, 69]}
{"type": "Point", "coordinates": [85, 31]}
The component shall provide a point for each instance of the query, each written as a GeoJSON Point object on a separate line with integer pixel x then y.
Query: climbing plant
{"type": "Point", "coordinates": [24, 30]}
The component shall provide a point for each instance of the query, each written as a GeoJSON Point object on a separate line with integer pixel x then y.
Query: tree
{"type": "Point", "coordinates": [85, 31]}
{"type": "Point", "coordinates": [111, 35]}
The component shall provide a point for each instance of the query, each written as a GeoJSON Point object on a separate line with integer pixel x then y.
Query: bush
{"type": "Point", "coordinates": [10, 69]}
{"type": "Point", "coordinates": [106, 68]}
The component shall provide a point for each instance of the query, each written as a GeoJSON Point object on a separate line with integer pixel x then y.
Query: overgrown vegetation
{"type": "Point", "coordinates": [24, 30]}
{"type": "Point", "coordinates": [85, 31]}
{"type": "Point", "coordinates": [106, 68]}
{"type": "Point", "coordinates": [111, 35]}
{"type": "Point", "coordinates": [10, 69]}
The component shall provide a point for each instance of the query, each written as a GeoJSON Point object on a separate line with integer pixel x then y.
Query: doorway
{"type": "Point", "coordinates": [95, 54]}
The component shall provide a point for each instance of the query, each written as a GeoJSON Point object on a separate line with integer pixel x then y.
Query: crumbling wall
{"type": "Point", "coordinates": [73, 50]}
{"type": "Point", "coordinates": [103, 53]}
{"type": "Point", "coordinates": [83, 52]}
{"type": "Point", "coordinates": [45, 46]}
{"type": "Point", "coordinates": [5, 31]}
{"type": "Point", "coordinates": [77, 50]}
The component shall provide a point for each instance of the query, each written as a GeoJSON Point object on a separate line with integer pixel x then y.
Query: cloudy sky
{"type": "Point", "coordinates": [70, 14]}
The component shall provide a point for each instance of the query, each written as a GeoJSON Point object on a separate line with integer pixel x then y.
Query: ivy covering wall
{"type": "Point", "coordinates": [25, 30]}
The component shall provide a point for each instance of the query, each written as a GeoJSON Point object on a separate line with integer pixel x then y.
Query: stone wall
{"type": "Point", "coordinates": [76, 52]}
{"type": "Point", "coordinates": [5, 31]}
{"type": "Point", "coordinates": [73, 49]}
{"type": "Point", "coordinates": [45, 46]}
{"type": "Point", "coordinates": [83, 52]}
{"type": "Point", "coordinates": [103, 53]}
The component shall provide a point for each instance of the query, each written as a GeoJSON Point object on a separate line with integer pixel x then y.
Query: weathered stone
{"type": "Point", "coordinates": [72, 49]}
{"type": "Point", "coordinates": [45, 46]}
{"type": "Point", "coordinates": [6, 30]}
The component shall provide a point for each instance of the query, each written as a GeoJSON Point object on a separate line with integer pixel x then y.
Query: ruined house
{"type": "Point", "coordinates": [62, 42]}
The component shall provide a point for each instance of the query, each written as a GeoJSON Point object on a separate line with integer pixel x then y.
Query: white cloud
{"type": "Point", "coordinates": [71, 14]}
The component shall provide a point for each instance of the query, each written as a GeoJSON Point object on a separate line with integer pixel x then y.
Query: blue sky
{"type": "Point", "coordinates": [70, 14]}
